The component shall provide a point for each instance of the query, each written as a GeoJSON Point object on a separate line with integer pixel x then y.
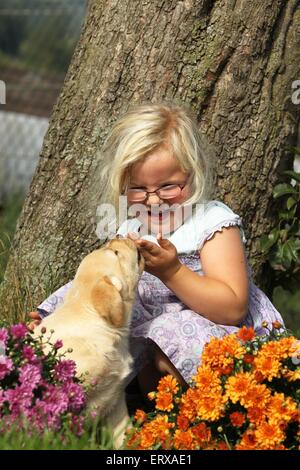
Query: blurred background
{"type": "Point", "coordinates": [37, 39]}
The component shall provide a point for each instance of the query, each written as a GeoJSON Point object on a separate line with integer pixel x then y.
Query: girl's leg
{"type": "Point", "coordinates": [150, 375]}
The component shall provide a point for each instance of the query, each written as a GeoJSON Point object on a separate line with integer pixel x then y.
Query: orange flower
{"type": "Point", "coordinates": [292, 375]}
{"type": "Point", "coordinates": [189, 400]}
{"type": "Point", "coordinates": [147, 439]}
{"type": "Point", "coordinates": [269, 435]}
{"type": "Point", "coordinates": [248, 441]}
{"type": "Point", "coordinates": [248, 358]}
{"type": "Point", "coordinates": [237, 419]}
{"type": "Point", "coordinates": [257, 395]}
{"type": "Point", "coordinates": [256, 414]}
{"type": "Point", "coordinates": [206, 379]}
{"type": "Point", "coordinates": [182, 422]}
{"type": "Point", "coordinates": [201, 433]}
{"type": "Point", "coordinates": [238, 385]}
{"type": "Point", "coordinates": [140, 416]}
{"type": "Point", "coordinates": [281, 408]}
{"type": "Point", "coordinates": [164, 401]}
{"type": "Point", "coordinates": [268, 366]}
{"type": "Point", "coordinates": [183, 440]}
{"type": "Point", "coordinates": [220, 352]}
{"type": "Point", "coordinates": [168, 384]}
{"type": "Point", "coordinates": [211, 407]}
{"type": "Point", "coordinates": [246, 334]}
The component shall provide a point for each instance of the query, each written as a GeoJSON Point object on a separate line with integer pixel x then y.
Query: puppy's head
{"type": "Point", "coordinates": [111, 274]}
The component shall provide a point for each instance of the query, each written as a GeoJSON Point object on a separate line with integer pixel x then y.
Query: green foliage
{"type": "Point", "coordinates": [282, 247]}
{"type": "Point", "coordinates": [95, 437]}
{"type": "Point", "coordinates": [282, 244]}
{"type": "Point", "coordinates": [40, 41]}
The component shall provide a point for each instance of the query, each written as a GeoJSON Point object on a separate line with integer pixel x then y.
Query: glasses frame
{"type": "Point", "coordinates": [147, 193]}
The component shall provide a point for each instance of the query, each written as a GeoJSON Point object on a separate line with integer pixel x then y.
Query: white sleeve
{"type": "Point", "coordinates": [215, 215]}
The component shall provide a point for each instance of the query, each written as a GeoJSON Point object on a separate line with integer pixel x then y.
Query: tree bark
{"type": "Point", "coordinates": [232, 61]}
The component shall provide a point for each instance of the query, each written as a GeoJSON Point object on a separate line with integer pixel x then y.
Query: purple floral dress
{"type": "Point", "coordinates": [160, 317]}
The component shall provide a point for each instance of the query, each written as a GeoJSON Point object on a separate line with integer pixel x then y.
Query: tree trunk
{"type": "Point", "coordinates": [233, 61]}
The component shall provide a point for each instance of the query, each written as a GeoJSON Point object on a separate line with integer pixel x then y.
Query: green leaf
{"type": "Point", "coordinates": [286, 256]}
{"type": "Point", "coordinates": [290, 202]}
{"type": "Point", "coordinates": [293, 174]}
{"type": "Point", "coordinates": [282, 189]}
{"type": "Point", "coordinates": [267, 241]}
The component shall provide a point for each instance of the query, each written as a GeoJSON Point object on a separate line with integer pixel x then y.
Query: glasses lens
{"type": "Point", "coordinates": [136, 196]}
{"type": "Point", "coordinates": [169, 192]}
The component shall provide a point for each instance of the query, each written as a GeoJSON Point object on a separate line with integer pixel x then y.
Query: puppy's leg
{"type": "Point", "coordinates": [118, 420]}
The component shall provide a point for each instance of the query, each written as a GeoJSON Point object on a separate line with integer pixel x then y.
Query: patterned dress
{"type": "Point", "coordinates": [160, 317]}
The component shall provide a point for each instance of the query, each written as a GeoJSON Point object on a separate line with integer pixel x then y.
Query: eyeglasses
{"type": "Point", "coordinates": [166, 192]}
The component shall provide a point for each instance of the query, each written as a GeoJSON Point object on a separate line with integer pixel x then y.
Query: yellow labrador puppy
{"type": "Point", "coordinates": [94, 321]}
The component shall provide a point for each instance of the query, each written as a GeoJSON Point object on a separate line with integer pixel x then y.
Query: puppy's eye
{"type": "Point", "coordinates": [116, 252]}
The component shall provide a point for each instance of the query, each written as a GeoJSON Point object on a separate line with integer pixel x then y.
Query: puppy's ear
{"type": "Point", "coordinates": [107, 300]}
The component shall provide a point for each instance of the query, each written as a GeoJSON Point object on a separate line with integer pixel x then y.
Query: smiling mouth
{"type": "Point", "coordinates": [158, 213]}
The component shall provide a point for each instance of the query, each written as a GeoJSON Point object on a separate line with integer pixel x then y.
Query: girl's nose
{"type": "Point", "coordinates": [153, 199]}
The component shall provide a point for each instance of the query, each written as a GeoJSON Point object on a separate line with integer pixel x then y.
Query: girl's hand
{"type": "Point", "coordinates": [36, 320]}
{"type": "Point", "coordinates": [160, 260]}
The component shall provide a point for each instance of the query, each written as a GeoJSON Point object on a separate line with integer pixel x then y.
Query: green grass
{"type": "Point", "coordinates": [94, 438]}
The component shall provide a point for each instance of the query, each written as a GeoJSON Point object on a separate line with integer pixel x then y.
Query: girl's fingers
{"type": "Point", "coordinates": [33, 324]}
{"type": "Point", "coordinates": [149, 247]}
{"type": "Point", "coordinates": [34, 315]}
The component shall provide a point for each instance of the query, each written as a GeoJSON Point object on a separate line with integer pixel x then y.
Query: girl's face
{"type": "Point", "coordinates": [158, 170]}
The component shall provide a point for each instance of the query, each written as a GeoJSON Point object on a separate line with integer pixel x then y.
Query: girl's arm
{"type": "Point", "coordinates": [221, 295]}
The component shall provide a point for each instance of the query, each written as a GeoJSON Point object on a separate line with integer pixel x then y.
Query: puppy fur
{"type": "Point", "coordinates": [94, 322]}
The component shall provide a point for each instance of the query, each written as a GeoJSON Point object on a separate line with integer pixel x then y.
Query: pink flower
{"type": "Point", "coordinates": [30, 375]}
{"type": "Point", "coordinates": [29, 355]}
{"type": "Point", "coordinates": [76, 395]}
{"type": "Point", "coordinates": [58, 344]}
{"type": "Point", "coordinates": [19, 399]}
{"type": "Point", "coordinates": [55, 401]}
{"type": "Point", "coordinates": [19, 330]}
{"type": "Point", "coordinates": [64, 370]}
{"type": "Point", "coordinates": [6, 366]}
{"type": "Point", "coordinates": [3, 335]}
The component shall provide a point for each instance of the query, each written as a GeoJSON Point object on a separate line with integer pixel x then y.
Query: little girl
{"type": "Point", "coordinates": [196, 282]}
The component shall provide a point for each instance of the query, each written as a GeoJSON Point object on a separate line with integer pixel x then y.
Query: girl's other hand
{"type": "Point", "coordinates": [36, 320]}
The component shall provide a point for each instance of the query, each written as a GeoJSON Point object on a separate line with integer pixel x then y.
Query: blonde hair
{"type": "Point", "coordinates": [144, 129]}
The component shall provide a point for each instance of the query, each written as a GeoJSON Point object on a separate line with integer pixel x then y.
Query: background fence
{"type": "Point", "coordinates": [37, 39]}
